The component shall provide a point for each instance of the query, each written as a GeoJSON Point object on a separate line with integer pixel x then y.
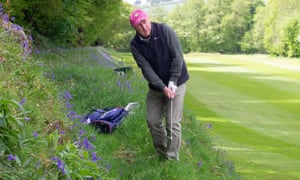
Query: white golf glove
{"type": "Point", "coordinates": [172, 86]}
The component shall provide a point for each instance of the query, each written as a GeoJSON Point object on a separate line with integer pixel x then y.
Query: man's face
{"type": "Point", "coordinates": [144, 28]}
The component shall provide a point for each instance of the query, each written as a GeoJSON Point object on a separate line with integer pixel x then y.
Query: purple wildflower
{"type": "Point", "coordinates": [37, 51]}
{"type": "Point", "coordinates": [11, 157]}
{"type": "Point", "coordinates": [35, 134]}
{"type": "Point", "coordinates": [22, 102]}
{"type": "Point", "coordinates": [72, 115]}
{"type": "Point", "coordinates": [128, 84]}
{"type": "Point", "coordinates": [12, 18]}
{"type": "Point", "coordinates": [57, 126]}
{"type": "Point", "coordinates": [94, 157]}
{"type": "Point", "coordinates": [68, 105]}
{"type": "Point", "coordinates": [27, 118]}
{"type": "Point", "coordinates": [60, 164]}
{"type": "Point", "coordinates": [25, 45]}
{"type": "Point", "coordinates": [81, 132]}
{"type": "Point", "coordinates": [67, 95]}
{"type": "Point", "coordinates": [200, 163]}
{"type": "Point", "coordinates": [5, 18]}
{"type": "Point", "coordinates": [208, 125]}
{"type": "Point", "coordinates": [87, 145]}
{"type": "Point", "coordinates": [16, 27]}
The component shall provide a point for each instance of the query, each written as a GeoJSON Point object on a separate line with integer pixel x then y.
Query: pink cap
{"type": "Point", "coordinates": [137, 16]}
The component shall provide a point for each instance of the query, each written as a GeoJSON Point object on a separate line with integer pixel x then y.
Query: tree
{"type": "Point", "coordinates": [290, 42]}
{"type": "Point", "coordinates": [253, 40]}
{"type": "Point", "coordinates": [68, 22]}
{"type": "Point", "coordinates": [180, 20]}
{"type": "Point", "coordinates": [123, 32]}
{"type": "Point", "coordinates": [280, 17]}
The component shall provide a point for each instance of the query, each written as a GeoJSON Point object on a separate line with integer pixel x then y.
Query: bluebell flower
{"type": "Point", "coordinates": [57, 126]}
{"type": "Point", "coordinates": [16, 27]}
{"type": "Point", "coordinates": [5, 18]}
{"type": "Point", "coordinates": [81, 132]}
{"type": "Point", "coordinates": [72, 115]}
{"type": "Point", "coordinates": [22, 102]}
{"type": "Point", "coordinates": [68, 105]}
{"type": "Point", "coordinates": [94, 157]}
{"type": "Point", "coordinates": [209, 125]}
{"type": "Point", "coordinates": [60, 164]}
{"type": "Point", "coordinates": [11, 157]}
{"type": "Point", "coordinates": [128, 84]}
{"type": "Point", "coordinates": [200, 163]}
{"type": "Point", "coordinates": [35, 134]}
{"type": "Point", "coordinates": [67, 95]}
{"type": "Point", "coordinates": [27, 118]}
{"type": "Point", "coordinates": [87, 145]}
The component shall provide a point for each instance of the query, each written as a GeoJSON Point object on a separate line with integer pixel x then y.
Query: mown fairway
{"type": "Point", "coordinates": [253, 105]}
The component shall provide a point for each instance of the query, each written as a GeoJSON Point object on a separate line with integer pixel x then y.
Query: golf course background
{"type": "Point", "coordinates": [252, 104]}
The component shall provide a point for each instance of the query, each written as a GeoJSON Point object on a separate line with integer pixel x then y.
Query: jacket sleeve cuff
{"type": "Point", "coordinates": [174, 79]}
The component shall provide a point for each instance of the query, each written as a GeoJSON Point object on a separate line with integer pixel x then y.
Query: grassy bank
{"type": "Point", "coordinates": [50, 92]}
{"type": "Point", "coordinates": [252, 103]}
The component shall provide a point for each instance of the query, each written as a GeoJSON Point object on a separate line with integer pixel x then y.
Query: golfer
{"type": "Point", "coordinates": [157, 51]}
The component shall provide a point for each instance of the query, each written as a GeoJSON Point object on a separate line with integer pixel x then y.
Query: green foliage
{"type": "Point", "coordinates": [278, 18]}
{"type": "Point", "coordinates": [12, 116]}
{"type": "Point", "coordinates": [253, 41]}
{"type": "Point", "coordinates": [73, 23]}
{"type": "Point", "coordinates": [214, 25]}
{"type": "Point", "coordinates": [74, 161]}
{"type": "Point", "coordinates": [36, 145]}
{"type": "Point", "coordinates": [120, 32]}
{"type": "Point", "coordinates": [290, 39]}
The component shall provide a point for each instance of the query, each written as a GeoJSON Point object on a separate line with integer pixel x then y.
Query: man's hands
{"type": "Point", "coordinates": [172, 86]}
{"type": "Point", "coordinates": [170, 91]}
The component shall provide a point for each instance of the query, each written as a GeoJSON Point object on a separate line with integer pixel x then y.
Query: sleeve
{"type": "Point", "coordinates": [147, 70]}
{"type": "Point", "coordinates": [176, 53]}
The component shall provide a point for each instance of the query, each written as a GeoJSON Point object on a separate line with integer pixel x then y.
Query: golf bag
{"type": "Point", "coordinates": [108, 119]}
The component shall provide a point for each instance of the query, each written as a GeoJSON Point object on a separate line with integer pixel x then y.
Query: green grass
{"type": "Point", "coordinates": [129, 150]}
{"type": "Point", "coordinates": [253, 104]}
{"type": "Point", "coordinates": [56, 87]}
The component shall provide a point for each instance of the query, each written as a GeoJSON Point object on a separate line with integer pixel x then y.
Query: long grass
{"type": "Point", "coordinates": [128, 152]}
{"type": "Point", "coordinates": [253, 105]}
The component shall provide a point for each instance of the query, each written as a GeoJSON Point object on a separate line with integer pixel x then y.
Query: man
{"type": "Point", "coordinates": [157, 51]}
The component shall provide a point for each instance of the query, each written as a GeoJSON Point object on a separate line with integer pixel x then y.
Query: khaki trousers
{"type": "Point", "coordinates": [159, 121]}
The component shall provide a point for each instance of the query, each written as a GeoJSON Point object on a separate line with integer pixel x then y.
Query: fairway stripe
{"type": "Point", "coordinates": [253, 109]}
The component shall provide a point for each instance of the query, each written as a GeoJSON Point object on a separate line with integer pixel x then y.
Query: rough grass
{"type": "Point", "coordinates": [253, 104]}
{"type": "Point", "coordinates": [128, 152]}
